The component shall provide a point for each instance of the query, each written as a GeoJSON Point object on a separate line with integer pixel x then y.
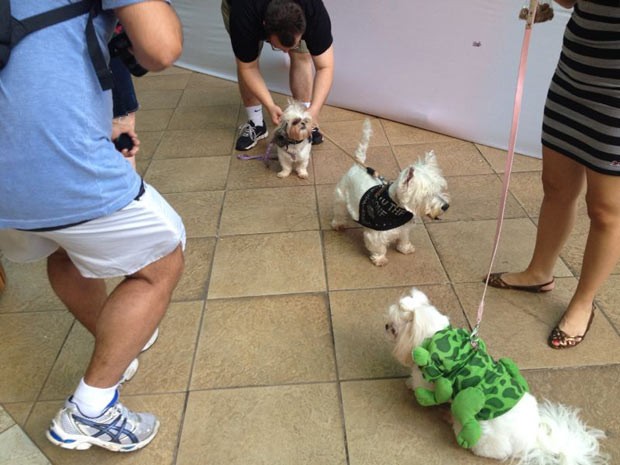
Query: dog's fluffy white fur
{"type": "Point", "coordinates": [530, 433]}
{"type": "Point", "coordinates": [293, 138]}
{"type": "Point", "coordinates": [420, 189]}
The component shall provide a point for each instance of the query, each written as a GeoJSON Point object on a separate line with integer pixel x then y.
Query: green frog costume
{"type": "Point", "coordinates": [464, 373]}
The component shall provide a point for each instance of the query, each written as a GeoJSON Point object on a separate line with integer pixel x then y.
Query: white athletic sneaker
{"type": "Point", "coordinates": [151, 341]}
{"type": "Point", "coordinates": [117, 429]}
{"type": "Point", "coordinates": [130, 371]}
{"type": "Point", "coordinates": [133, 366]}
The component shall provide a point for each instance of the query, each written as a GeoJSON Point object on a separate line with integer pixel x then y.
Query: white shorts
{"type": "Point", "coordinates": [119, 244]}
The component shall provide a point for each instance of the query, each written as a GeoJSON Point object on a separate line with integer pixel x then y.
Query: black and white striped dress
{"type": "Point", "coordinates": [582, 111]}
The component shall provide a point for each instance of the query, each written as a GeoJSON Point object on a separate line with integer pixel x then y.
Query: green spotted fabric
{"type": "Point", "coordinates": [450, 355]}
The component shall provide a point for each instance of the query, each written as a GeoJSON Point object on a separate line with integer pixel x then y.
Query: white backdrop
{"type": "Point", "coordinates": [449, 66]}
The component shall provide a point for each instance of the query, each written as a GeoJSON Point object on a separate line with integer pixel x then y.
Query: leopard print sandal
{"type": "Point", "coordinates": [558, 339]}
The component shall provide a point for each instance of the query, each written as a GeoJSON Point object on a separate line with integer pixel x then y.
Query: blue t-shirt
{"type": "Point", "coordinates": [58, 165]}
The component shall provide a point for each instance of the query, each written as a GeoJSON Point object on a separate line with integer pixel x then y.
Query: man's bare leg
{"type": "Point", "coordinates": [123, 322]}
{"type": "Point", "coordinates": [301, 76]}
{"type": "Point", "coordinates": [247, 97]}
{"type": "Point", "coordinates": [83, 297]}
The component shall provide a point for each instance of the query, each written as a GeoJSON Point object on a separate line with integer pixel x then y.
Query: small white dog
{"type": "Point", "coordinates": [493, 413]}
{"type": "Point", "coordinates": [388, 210]}
{"type": "Point", "coordinates": [293, 138]}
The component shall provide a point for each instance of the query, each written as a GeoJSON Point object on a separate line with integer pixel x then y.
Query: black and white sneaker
{"type": "Point", "coordinates": [317, 137]}
{"type": "Point", "coordinates": [249, 135]}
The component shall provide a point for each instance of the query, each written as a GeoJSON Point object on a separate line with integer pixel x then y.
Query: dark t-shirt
{"type": "Point", "coordinates": [246, 27]}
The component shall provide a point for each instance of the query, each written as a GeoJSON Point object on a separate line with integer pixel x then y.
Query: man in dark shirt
{"type": "Point", "coordinates": [300, 28]}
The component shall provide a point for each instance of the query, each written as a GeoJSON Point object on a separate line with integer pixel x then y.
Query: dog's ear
{"type": "Point", "coordinates": [407, 303]}
{"type": "Point", "coordinates": [409, 175]}
{"type": "Point", "coordinates": [430, 158]}
{"type": "Point", "coordinates": [418, 297]}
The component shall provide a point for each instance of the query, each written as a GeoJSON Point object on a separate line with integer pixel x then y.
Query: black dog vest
{"type": "Point", "coordinates": [379, 212]}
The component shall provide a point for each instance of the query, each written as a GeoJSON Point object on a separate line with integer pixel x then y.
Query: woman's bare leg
{"type": "Point", "coordinates": [602, 250]}
{"type": "Point", "coordinates": [563, 180]}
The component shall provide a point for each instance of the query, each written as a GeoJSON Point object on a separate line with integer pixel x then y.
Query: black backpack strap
{"type": "Point", "coordinates": [5, 18]}
{"type": "Point", "coordinates": [21, 28]}
{"type": "Point", "coordinates": [96, 54]}
{"type": "Point", "coordinates": [5, 31]}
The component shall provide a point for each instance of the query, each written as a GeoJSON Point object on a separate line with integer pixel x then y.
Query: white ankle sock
{"type": "Point", "coordinates": [93, 401]}
{"type": "Point", "coordinates": [255, 114]}
{"type": "Point", "coordinates": [307, 104]}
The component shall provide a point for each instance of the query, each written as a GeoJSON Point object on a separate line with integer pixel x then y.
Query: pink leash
{"type": "Point", "coordinates": [509, 159]}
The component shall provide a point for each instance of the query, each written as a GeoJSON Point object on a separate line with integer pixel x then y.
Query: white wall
{"type": "Point", "coordinates": [413, 61]}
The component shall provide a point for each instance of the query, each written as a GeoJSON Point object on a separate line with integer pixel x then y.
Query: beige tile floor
{"type": "Point", "coordinates": [273, 351]}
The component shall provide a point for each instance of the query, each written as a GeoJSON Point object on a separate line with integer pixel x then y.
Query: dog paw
{"type": "Point", "coordinates": [302, 174]}
{"type": "Point", "coordinates": [425, 397]}
{"type": "Point", "coordinates": [469, 435]}
{"type": "Point", "coordinates": [283, 174]}
{"type": "Point", "coordinates": [379, 261]}
{"type": "Point", "coordinates": [405, 249]}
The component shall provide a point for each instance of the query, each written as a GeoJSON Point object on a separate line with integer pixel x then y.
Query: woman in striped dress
{"type": "Point", "coordinates": [581, 147]}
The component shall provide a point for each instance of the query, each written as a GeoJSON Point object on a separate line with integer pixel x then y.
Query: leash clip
{"type": "Point", "coordinates": [375, 174]}
{"type": "Point", "coordinates": [473, 337]}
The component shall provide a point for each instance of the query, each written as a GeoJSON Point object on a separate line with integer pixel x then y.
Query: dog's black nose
{"type": "Point", "coordinates": [445, 206]}
{"type": "Point", "coordinates": [386, 326]}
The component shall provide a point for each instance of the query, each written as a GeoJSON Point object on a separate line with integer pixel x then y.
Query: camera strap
{"type": "Point", "coordinates": [12, 31]}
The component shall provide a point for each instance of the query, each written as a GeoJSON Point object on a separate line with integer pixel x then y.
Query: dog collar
{"type": "Point", "coordinates": [379, 212]}
{"type": "Point", "coordinates": [282, 141]}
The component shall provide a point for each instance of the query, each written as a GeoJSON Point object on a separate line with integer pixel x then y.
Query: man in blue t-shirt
{"type": "Point", "coordinates": [69, 196]}
{"type": "Point", "coordinates": [300, 28]}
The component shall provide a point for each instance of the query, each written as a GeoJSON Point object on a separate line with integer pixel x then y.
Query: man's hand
{"type": "Point", "coordinates": [126, 125]}
{"type": "Point", "coordinates": [276, 114]}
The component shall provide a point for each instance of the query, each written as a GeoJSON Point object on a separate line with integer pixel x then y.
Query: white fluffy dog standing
{"type": "Point", "coordinates": [293, 138]}
{"type": "Point", "coordinates": [529, 433]}
{"type": "Point", "coordinates": [388, 210]}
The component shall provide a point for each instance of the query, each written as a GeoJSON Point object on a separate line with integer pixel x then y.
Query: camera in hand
{"type": "Point", "coordinates": [119, 46]}
{"type": "Point", "coordinates": [123, 142]}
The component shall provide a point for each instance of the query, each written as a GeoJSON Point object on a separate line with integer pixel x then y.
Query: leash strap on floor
{"type": "Point", "coordinates": [265, 157]}
{"type": "Point", "coordinates": [509, 159]}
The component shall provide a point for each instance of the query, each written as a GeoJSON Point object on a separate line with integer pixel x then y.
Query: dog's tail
{"type": "Point", "coordinates": [360, 151]}
{"type": "Point", "coordinates": [564, 439]}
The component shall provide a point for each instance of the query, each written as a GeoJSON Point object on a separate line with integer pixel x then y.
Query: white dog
{"type": "Point", "coordinates": [520, 429]}
{"type": "Point", "coordinates": [293, 138]}
{"type": "Point", "coordinates": [388, 210]}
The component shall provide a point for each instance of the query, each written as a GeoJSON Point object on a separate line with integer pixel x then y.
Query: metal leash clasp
{"type": "Point", "coordinates": [473, 337]}
{"type": "Point", "coordinates": [373, 172]}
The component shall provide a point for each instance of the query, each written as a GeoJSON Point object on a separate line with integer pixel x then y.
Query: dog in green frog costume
{"type": "Point", "coordinates": [464, 373]}
{"type": "Point", "coordinates": [494, 413]}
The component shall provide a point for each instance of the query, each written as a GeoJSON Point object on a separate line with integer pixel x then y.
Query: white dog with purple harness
{"type": "Point", "coordinates": [293, 138]}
